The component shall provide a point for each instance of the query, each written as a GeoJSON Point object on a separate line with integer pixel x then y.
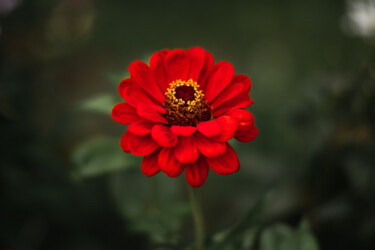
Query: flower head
{"type": "Point", "coordinates": [181, 111]}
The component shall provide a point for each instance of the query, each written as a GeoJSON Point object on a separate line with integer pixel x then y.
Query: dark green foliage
{"type": "Point", "coordinates": [66, 184]}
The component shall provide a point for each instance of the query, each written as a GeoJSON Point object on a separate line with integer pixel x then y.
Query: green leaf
{"type": "Point", "coordinates": [101, 155]}
{"type": "Point", "coordinates": [152, 206]}
{"type": "Point", "coordinates": [306, 240]}
{"type": "Point", "coordinates": [277, 237]}
{"type": "Point", "coordinates": [241, 236]}
{"type": "Point", "coordinates": [101, 104]}
{"type": "Point", "coordinates": [283, 237]}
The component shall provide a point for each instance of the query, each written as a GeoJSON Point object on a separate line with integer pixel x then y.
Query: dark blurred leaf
{"type": "Point", "coordinates": [242, 235]}
{"type": "Point", "coordinates": [282, 237]}
{"type": "Point", "coordinates": [152, 206]}
{"type": "Point", "coordinates": [101, 155]}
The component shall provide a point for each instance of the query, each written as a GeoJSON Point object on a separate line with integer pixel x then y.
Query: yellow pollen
{"type": "Point", "coordinates": [189, 111]}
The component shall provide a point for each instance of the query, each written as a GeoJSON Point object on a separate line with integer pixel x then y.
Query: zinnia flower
{"type": "Point", "coordinates": [181, 111]}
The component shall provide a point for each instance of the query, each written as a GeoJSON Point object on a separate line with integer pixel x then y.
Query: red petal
{"type": "Point", "coordinates": [124, 141]}
{"type": "Point", "coordinates": [150, 165]}
{"type": "Point", "coordinates": [141, 145]}
{"type": "Point", "coordinates": [177, 65]}
{"type": "Point", "coordinates": [238, 100]}
{"type": "Point", "coordinates": [124, 83]}
{"type": "Point", "coordinates": [143, 77]}
{"type": "Point", "coordinates": [209, 128]}
{"type": "Point", "coordinates": [242, 104]}
{"type": "Point", "coordinates": [243, 116]}
{"type": "Point", "coordinates": [164, 136]}
{"type": "Point", "coordinates": [183, 130]}
{"type": "Point", "coordinates": [208, 147]}
{"type": "Point", "coordinates": [157, 108]}
{"type": "Point", "coordinates": [219, 78]}
{"type": "Point", "coordinates": [235, 103]}
{"type": "Point", "coordinates": [196, 173]}
{"type": "Point", "coordinates": [231, 91]}
{"type": "Point", "coordinates": [246, 130]}
{"type": "Point", "coordinates": [197, 57]}
{"type": "Point", "coordinates": [228, 126]}
{"type": "Point", "coordinates": [245, 80]}
{"type": "Point", "coordinates": [124, 113]}
{"type": "Point", "coordinates": [206, 70]}
{"type": "Point", "coordinates": [186, 151]}
{"type": "Point", "coordinates": [247, 133]}
{"type": "Point", "coordinates": [149, 112]}
{"type": "Point", "coordinates": [227, 163]}
{"type": "Point", "coordinates": [141, 127]}
{"type": "Point", "coordinates": [134, 95]}
{"type": "Point", "coordinates": [157, 66]}
{"type": "Point", "coordinates": [168, 163]}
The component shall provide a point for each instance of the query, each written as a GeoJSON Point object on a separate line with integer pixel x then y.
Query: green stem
{"type": "Point", "coordinates": [198, 218]}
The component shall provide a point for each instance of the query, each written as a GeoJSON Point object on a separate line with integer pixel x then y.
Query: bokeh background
{"type": "Point", "coordinates": [307, 182]}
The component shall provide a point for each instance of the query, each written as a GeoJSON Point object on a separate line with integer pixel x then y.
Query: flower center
{"type": "Point", "coordinates": [185, 104]}
{"type": "Point", "coordinates": [185, 93]}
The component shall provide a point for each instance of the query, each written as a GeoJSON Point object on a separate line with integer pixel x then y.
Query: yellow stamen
{"type": "Point", "coordinates": [186, 112]}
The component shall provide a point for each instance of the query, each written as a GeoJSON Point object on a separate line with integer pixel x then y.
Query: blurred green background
{"type": "Point", "coordinates": [307, 182]}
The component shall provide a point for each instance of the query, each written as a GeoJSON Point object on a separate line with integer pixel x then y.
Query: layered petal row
{"type": "Point", "coordinates": [211, 106]}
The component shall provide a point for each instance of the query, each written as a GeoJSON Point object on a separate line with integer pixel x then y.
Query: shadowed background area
{"type": "Point", "coordinates": [66, 184]}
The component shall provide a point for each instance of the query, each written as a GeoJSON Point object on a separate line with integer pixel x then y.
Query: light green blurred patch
{"type": "Point", "coordinates": [101, 104]}
{"type": "Point", "coordinates": [101, 155]}
{"type": "Point", "coordinates": [116, 78]}
{"type": "Point", "coordinates": [283, 237]}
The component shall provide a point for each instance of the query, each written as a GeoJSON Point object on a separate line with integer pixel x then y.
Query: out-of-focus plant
{"type": "Point", "coordinates": [157, 208]}
{"type": "Point", "coordinates": [360, 18]}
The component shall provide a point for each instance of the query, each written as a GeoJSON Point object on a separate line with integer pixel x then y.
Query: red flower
{"type": "Point", "coordinates": [181, 111]}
